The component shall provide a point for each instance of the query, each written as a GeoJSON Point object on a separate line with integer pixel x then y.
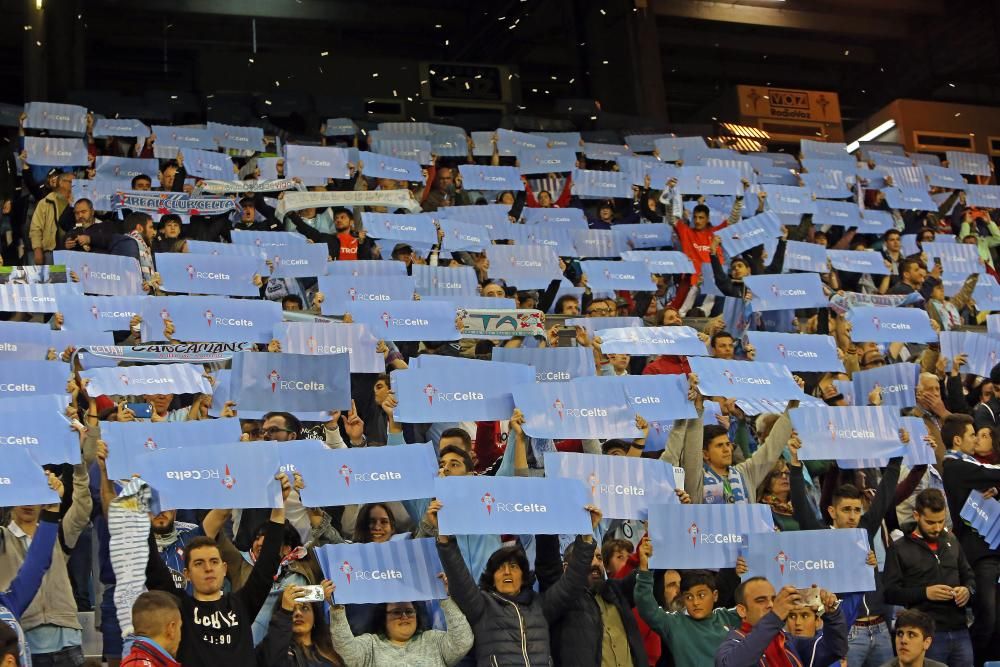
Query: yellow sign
{"type": "Point", "coordinates": [788, 104]}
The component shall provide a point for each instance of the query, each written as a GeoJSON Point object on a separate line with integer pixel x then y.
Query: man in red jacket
{"type": "Point", "coordinates": [157, 622]}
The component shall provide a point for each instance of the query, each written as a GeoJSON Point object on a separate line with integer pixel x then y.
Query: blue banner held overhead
{"type": "Point", "coordinates": [221, 476]}
{"type": "Point", "coordinates": [153, 379]}
{"type": "Point", "coordinates": [800, 256]}
{"type": "Point", "coordinates": [826, 184]}
{"type": "Point", "coordinates": [573, 218]}
{"type": "Point", "coordinates": [124, 167]}
{"type": "Point", "coordinates": [831, 559]}
{"type": "Point", "coordinates": [208, 164]}
{"type": "Point", "coordinates": [874, 221]}
{"type": "Point", "coordinates": [53, 152]}
{"type": "Point", "coordinates": [176, 138]}
{"type": "Point", "coordinates": [885, 324]}
{"type": "Point", "coordinates": [848, 432]}
{"type": "Point", "coordinates": [383, 572]}
{"type": "Point", "coordinates": [128, 440]}
{"type": "Point", "coordinates": [407, 320]}
{"type": "Point", "coordinates": [984, 196]}
{"type": "Point", "coordinates": [971, 164]}
{"type": "Point", "coordinates": [449, 141]}
{"type": "Point", "coordinates": [603, 152]}
{"type": "Point", "coordinates": [61, 119]}
{"type": "Point", "coordinates": [326, 338]}
{"type": "Point", "coordinates": [983, 515]}
{"type": "Point", "coordinates": [596, 243]}
{"type": "Point", "coordinates": [675, 340]}
{"type": "Point", "coordinates": [623, 487]}
{"type": "Point", "coordinates": [744, 379]}
{"type": "Point", "coordinates": [480, 393]}
{"type": "Point", "coordinates": [237, 137]}
{"type": "Point", "coordinates": [478, 177]}
{"type": "Point", "coordinates": [673, 149]}
{"type": "Point", "coordinates": [367, 268]}
{"type": "Point", "coordinates": [909, 199]}
{"type": "Point", "coordinates": [24, 481]}
{"type": "Point", "coordinates": [546, 160]}
{"type": "Point", "coordinates": [99, 313]}
{"type": "Point", "coordinates": [418, 150]}
{"type": "Point", "coordinates": [708, 181]}
{"type": "Point", "coordinates": [256, 238]}
{"type": "Point", "coordinates": [307, 261]}
{"type": "Point", "coordinates": [620, 275]}
{"type": "Point", "coordinates": [445, 281]}
{"type": "Point", "coordinates": [590, 183]}
{"type": "Point", "coordinates": [898, 383]}
{"type": "Point", "coordinates": [527, 267]}
{"type": "Point", "coordinates": [375, 165]}
{"type": "Point", "coordinates": [186, 273]}
{"type": "Point", "coordinates": [364, 474]}
{"type": "Point", "coordinates": [656, 397]}
{"type": "Point", "coordinates": [830, 150]}
{"type": "Point", "coordinates": [920, 451]}
{"type": "Point", "coordinates": [401, 227]}
{"type": "Point", "coordinates": [790, 199]}
{"type": "Point", "coordinates": [210, 319]}
{"type": "Point", "coordinates": [704, 536]}
{"type": "Point", "coordinates": [859, 261]}
{"type": "Point", "coordinates": [37, 298]}
{"type": "Point", "coordinates": [291, 382]}
{"type": "Point", "coordinates": [750, 233]}
{"type": "Point", "coordinates": [581, 408]}
{"type": "Point", "coordinates": [982, 352]}
{"type": "Point", "coordinates": [316, 163]}
{"type": "Point", "coordinates": [463, 236]}
{"type": "Point", "coordinates": [46, 435]}
{"type": "Point", "coordinates": [799, 352]}
{"type": "Point", "coordinates": [342, 294]}
{"type": "Point", "coordinates": [27, 377]}
{"type": "Point", "coordinates": [661, 261]}
{"type": "Point", "coordinates": [489, 216]}
{"type": "Point", "coordinates": [594, 324]}
{"type": "Point", "coordinates": [518, 505]}
{"type": "Point", "coordinates": [340, 127]}
{"type": "Point", "coordinates": [109, 275]}
{"type": "Point", "coordinates": [550, 364]}
{"type": "Point", "coordinates": [120, 127]}
{"type": "Point", "coordinates": [986, 295]}
{"type": "Point", "coordinates": [837, 213]}
{"type": "Point", "coordinates": [787, 291]}
{"type": "Point", "coordinates": [637, 236]}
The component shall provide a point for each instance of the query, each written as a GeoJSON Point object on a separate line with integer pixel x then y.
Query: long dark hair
{"type": "Point", "coordinates": [506, 555]}
{"type": "Point", "coordinates": [362, 531]}
{"type": "Point", "coordinates": [322, 645]}
{"type": "Point", "coordinates": [378, 624]}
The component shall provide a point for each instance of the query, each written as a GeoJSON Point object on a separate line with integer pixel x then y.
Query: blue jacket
{"type": "Point", "coordinates": [747, 650]}
{"type": "Point", "coordinates": [16, 599]}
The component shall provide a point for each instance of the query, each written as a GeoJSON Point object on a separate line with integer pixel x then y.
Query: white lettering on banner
{"type": "Point", "coordinates": [406, 322]}
{"type": "Point", "coordinates": [802, 353]}
{"type": "Point", "coordinates": [5, 481]}
{"type": "Point", "coordinates": [34, 299]}
{"type": "Point", "coordinates": [211, 276]}
{"type": "Point", "coordinates": [193, 474]}
{"type": "Point", "coordinates": [115, 314]}
{"type": "Point", "coordinates": [799, 258]}
{"type": "Point", "coordinates": [18, 440]}
{"type": "Point", "coordinates": [619, 276]}
{"type": "Point", "coordinates": [232, 322]}
{"type": "Point", "coordinates": [447, 285]}
{"type": "Point", "coordinates": [808, 565]}
{"type": "Point", "coordinates": [294, 262]}
{"type": "Point", "coordinates": [460, 396]}
{"type": "Point", "coordinates": [527, 263]}
{"type": "Point", "coordinates": [720, 538]}
{"type": "Point", "coordinates": [737, 379]}
{"type": "Point", "coordinates": [317, 163]}
{"type": "Point", "coordinates": [713, 181]}
{"type": "Point", "coordinates": [371, 297]}
{"type": "Point", "coordinates": [8, 347]}
{"type": "Point", "coordinates": [401, 228]}
{"type": "Point", "coordinates": [646, 400]}
{"type": "Point", "coordinates": [377, 575]}
{"type": "Point", "coordinates": [298, 385]}
{"type": "Point", "coordinates": [18, 387]}
{"type": "Point", "coordinates": [979, 510]}
{"type": "Point", "coordinates": [377, 476]}
{"type": "Point", "coordinates": [128, 380]}
{"type": "Point", "coordinates": [894, 388]}
{"type": "Point", "coordinates": [520, 507]}
{"type": "Point", "coordinates": [549, 376]}
{"type": "Point", "coordinates": [101, 275]}
{"type": "Point", "coordinates": [620, 490]}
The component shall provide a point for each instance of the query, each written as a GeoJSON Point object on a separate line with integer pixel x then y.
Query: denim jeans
{"type": "Point", "coordinates": [869, 646]}
{"type": "Point", "coordinates": [68, 657]}
{"type": "Point", "coordinates": [953, 648]}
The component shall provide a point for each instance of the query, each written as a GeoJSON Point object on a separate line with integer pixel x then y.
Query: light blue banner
{"type": "Point", "coordinates": [985, 196]}
{"type": "Point", "coordinates": [790, 199]}
{"type": "Point", "coordinates": [183, 137]}
{"type": "Point", "coordinates": [898, 383]}
{"type": "Point", "coordinates": [120, 127]}
{"type": "Point", "coordinates": [238, 137]}
{"type": "Point", "coordinates": [449, 141]}
{"type": "Point", "coordinates": [37, 298]}
{"type": "Point", "coordinates": [295, 261]}
{"type": "Point", "coordinates": [558, 238]}
{"type": "Point", "coordinates": [661, 261]}
{"type": "Point", "coordinates": [675, 340]}
{"type": "Point", "coordinates": [415, 228]}
{"type": "Point", "coordinates": [882, 324]}
{"type": "Point", "coordinates": [597, 243]}
{"type": "Point", "coordinates": [418, 150]}
{"type": "Point", "coordinates": [124, 167]}
{"type": "Point", "coordinates": [340, 127]}
{"type": "Point", "coordinates": [837, 213]}
{"type": "Point", "coordinates": [955, 257]}
{"type": "Point", "coordinates": [327, 338]}
{"type": "Point", "coordinates": [876, 222]}
{"type": "Point", "coordinates": [383, 572]}
{"type": "Point", "coordinates": [550, 364]}
{"type": "Point", "coordinates": [787, 291]}
{"type": "Point", "coordinates": [364, 474]}
{"type": "Point", "coordinates": [478, 177]}
{"type": "Point", "coordinates": [341, 295]}
{"type": "Point", "coordinates": [777, 175]}
{"type": "Point", "coordinates": [463, 236]}
{"type": "Point", "coordinates": [744, 379]}
{"type": "Point", "coordinates": [810, 148]}
{"type": "Point", "coordinates": [46, 434]}
{"type": "Point", "coordinates": [972, 164]}
{"type": "Point", "coordinates": [982, 352]}
{"type": "Point", "coordinates": [917, 453]}
{"type": "Point", "coordinates": [152, 379]}
{"type": "Point", "coordinates": [520, 505]}
{"type": "Point", "coordinates": [442, 395]}
{"type": "Point", "coordinates": [60, 118]}
{"type": "Point", "coordinates": [489, 216]}
{"type": "Point", "coordinates": [210, 319]}
{"type": "Point", "coordinates": [24, 481]}
{"type": "Point", "coordinates": [637, 236]}
{"type": "Point", "coordinates": [750, 233]}
{"type": "Point", "coordinates": [569, 217]}
{"type": "Point", "coordinates": [246, 237]}
{"type": "Point", "coordinates": [128, 440]}
{"type": "Point", "coordinates": [316, 163]}
{"type": "Point", "coordinates": [986, 295]}
{"type": "Point", "coordinates": [826, 184]}
{"type": "Point", "coordinates": [704, 536]}
{"type": "Point", "coordinates": [99, 313]}
{"type": "Point", "coordinates": [375, 165]}
{"type": "Point", "coordinates": [444, 281]}
{"type": "Point", "coordinates": [32, 377]}
{"type": "Point", "coordinates": [102, 192]}
{"type": "Point", "coordinates": [527, 267]}
{"type": "Point", "coordinates": [673, 149]}
{"type": "Point", "coordinates": [291, 382]}
{"type": "Point", "coordinates": [708, 181]}
{"type": "Point", "coordinates": [633, 276]}
{"type": "Point", "coordinates": [109, 275]}
{"type": "Point", "coordinates": [656, 397]}
{"type": "Point", "coordinates": [831, 559]}
{"type": "Point", "coordinates": [858, 261]}
{"type": "Point", "coordinates": [983, 515]}
{"type": "Point", "coordinates": [221, 476]}
{"type": "Point", "coordinates": [848, 432]}
{"type": "Point", "coordinates": [186, 273]}
{"type": "Point", "coordinates": [408, 320]}
{"type": "Point", "coordinates": [208, 164]}
{"type": "Point", "coordinates": [799, 352]}
{"type": "Point", "coordinates": [53, 152]}
{"type": "Point", "coordinates": [546, 160]}
{"type": "Point", "coordinates": [623, 487]}
{"type": "Point", "coordinates": [590, 183]}
{"type": "Point", "coordinates": [594, 324]}
{"type": "Point", "coordinates": [604, 152]}
{"type": "Point", "coordinates": [581, 408]}
{"type": "Point", "coordinates": [366, 268]}
{"type": "Point", "coordinates": [910, 199]}
{"type": "Point", "coordinates": [800, 256]}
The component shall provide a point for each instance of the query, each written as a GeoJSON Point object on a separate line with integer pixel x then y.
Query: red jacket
{"type": "Point", "coordinates": [697, 245]}
{"type": "Point", "coordinates": [667, 364]}
{"type": "Point", "coordinates": [145, 654]}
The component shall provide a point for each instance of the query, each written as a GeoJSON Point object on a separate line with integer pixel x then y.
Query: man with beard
{"type": "Point", "coordinates": [171, 538]}
{"type": "Point", "coordinates": [598, 629]}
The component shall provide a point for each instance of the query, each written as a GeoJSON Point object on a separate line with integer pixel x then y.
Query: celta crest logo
{"type": "Point", "coordinates": [228, 481]}
{"type": "Point", "coordinates": [877, 323]}
{"type": "Point", "coordinates": [311, 344]}
{"type": "Point", "coordinates": [693, 532]}
{"type": "Point", "coordinates": [164, 315]}
{"type": "Point", "coordinates": [274, 376]}
{"type": "Point", "coordinates": [593, 480]}
{"type": "Point", "coordinates": [832, 428]}
{"type": "Point", "coordinates": [208, 317]}
{"type": "Point", "coordinates": [729, 375]}
{"type": "Point", "coordinates": [558, 405]}
{"type": "Point", "coordinates": [353, 293]}
{"type": "Point", "coordinates": [385, 318]}
{"type": "Point", "coordinates": [782, 350]}
{"type": "Point", "coordinates": [190, 271]}
{"type": "Point", "coordinates": [429, 392]}
{"type": "Point", "coordinates": [95, 311]}
{"type": "Point", "coordinates": [85, 270]}
{"type": "Point", "coordinates": [487, 500]}
{"type": "Point", "coordinates": [345, 472]}
{"type": "Point", "coordinates": [347, 569]}
{"type": "Point", "coordinates": [123, 378]}
{"type": "Point", "coordinates": [150, 444]}
{"type": "Point", "coordinates": [781, 559]}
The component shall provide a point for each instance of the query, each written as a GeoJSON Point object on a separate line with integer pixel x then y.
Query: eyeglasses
{"type": "Point", "coordinates": [374, 523]}
{"type": "Point", "coordinates": [275, 430]}
{"type": "Point", "coordinates": [397, 614]}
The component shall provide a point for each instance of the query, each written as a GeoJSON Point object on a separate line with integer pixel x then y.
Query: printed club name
{"type": "Point", "coordinates": [18, 387]}
{"type": "Point", "coordinates": [18, 440]}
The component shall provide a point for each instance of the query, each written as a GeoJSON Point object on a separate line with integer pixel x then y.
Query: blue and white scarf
{"type": "Point", "coordinates": [719, 490]}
